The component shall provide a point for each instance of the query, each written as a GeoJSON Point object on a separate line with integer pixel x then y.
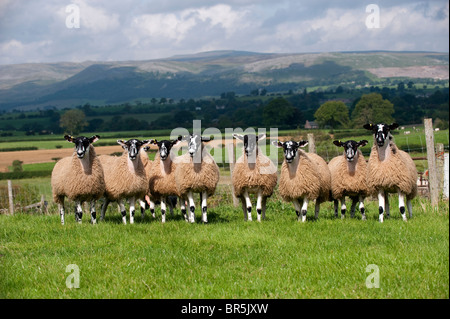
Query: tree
{"type": "Point", "coordinates": [280, 112]}
{"type": "Point", "coordinates": [73, 121]}
{"type": "Point", "coordinates": [332, 113]}
{"type": "Point", "coordinates": [371, 108]}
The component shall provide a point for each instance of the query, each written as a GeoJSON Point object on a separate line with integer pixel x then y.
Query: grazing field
{"type": "Point", "coordinates": [228, 258]}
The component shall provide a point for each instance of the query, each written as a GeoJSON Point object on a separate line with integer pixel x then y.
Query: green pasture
{"type": "Point", "coordinates": [228, 257]}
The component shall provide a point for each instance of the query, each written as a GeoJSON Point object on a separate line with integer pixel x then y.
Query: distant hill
{"type": "Point", "coordinates": [29, 86]}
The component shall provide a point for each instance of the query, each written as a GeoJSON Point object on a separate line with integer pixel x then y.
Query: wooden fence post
{"type": "Point", "coordinates": [231, 161]}
{"type": "Point", "coordinates": [431, 158]}
{"type": "Point", "coordinates": [311, 143]}
{"type": "Point", "coordinates": [11, 198]}
{"type": "Point", "coordinates": [440, 166]}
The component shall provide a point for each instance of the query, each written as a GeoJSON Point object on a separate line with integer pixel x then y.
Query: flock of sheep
{"type": "Point", "coordinates": [304, 177]}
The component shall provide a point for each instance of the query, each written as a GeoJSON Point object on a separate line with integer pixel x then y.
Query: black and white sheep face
{"type": "Point", "coordinates": [165, 147]}
{"type": "Point", "coordinates": [81, 144]}
{"type": "Point", "coordinates": [350, 148]}
{"type": "Point", "coordinates": [195, 142]}
{"type": "Point", "coordinates": [133, 146]}
{"type": "Point", "coordinates": [381, 131]}
{"type": "Point", "coordinates": [290, 148]}
{"type": "Point", "coordinates": [250, 141]}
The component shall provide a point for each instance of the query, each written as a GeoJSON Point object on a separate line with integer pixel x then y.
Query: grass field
{"type": "Point", "coordinates": [228, 258]}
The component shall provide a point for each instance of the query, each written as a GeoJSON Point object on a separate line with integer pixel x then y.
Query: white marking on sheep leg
{"type": "Point", "coordinates": [343, 208]}
{"type": "Point", "coordinates": [249, 206]}
{"type": "Point", "coordinates": [152, 208]}
{"type": "Point", "coordinates": [204, 207]}
{"type": "Point", "coordinates": [123, 211]}
{"type": "Point", "coordinates": [304, 209]}
{"type": "Point", "coordinates": [183, 208]}
{"type": "Point", "coordinates": [78, 212]}
{"type": "Point", "coordinates": [401, 205]}
{"type": "Point", "coordinates": [409, 205]}
{"type": "Point", "coordinates": [381, 205]}
{"type": "Point", "coordinates": [259, 205]}
{"type": "Point", "coordinates": [93, 213]}
{"type": "Point", "coordinates": [361, 207]}
{"type": "Point", "coordinates": [191, 207]}
{"type": "Point", "coordinates": [163, 209]}
{"type": "Point", "coordinates": [142, 204]}
{"type": "Point", "coordinates": [297, 208]}
{"type": "Point", "coordinates": [61, 213]}
{"type": "Point", "coordinates": [132, 209]}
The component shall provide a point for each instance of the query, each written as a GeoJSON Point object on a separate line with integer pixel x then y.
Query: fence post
{"type": "Point", "coordinates": [440, 166]}
{"type": "Point", "coordinates": [11, 198]}
{"type": "Point", "coordinates": [311, 143]}
{"type": "Point", "coordinates": [431, 158]}
{"type": "Point", "coordinates": [231, 161]}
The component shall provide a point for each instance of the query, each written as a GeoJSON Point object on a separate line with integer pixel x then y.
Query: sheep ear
{"type": "Point", "coordinates": [238, 136]}
{"type": "Point", "coordinates": [337, 143]}
{"type": "Point", "coordinates": [180, 137]}
{"type": "Point", "coordinates": [176, 141]}
{"type": "Point", "coordinates": [122, 143]}
{"type": "Point", "coordinates": [185, 138]}
{"type": "Point", "coordinates": [277, 143]}
{"type": "Point", "coordinates": [368, 127]}
{"type": "Point", "coordinates": [154, 142]}
{"type": "Point", "coordinates": [261, 136]}
{"type": "Point", "coordinates": [69, 138]}
{"type": "Point", "coordinates": [393, 126]}
{"type": "Point", "coordinates": [362, 143]}
{"type": "Point", "coordinates": [302, 143]}
{"type": "Point", "coordinates": [94, 139]}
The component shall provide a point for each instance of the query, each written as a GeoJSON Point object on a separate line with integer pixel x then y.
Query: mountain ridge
{"type": "Point", "coordinates": [205, 74]}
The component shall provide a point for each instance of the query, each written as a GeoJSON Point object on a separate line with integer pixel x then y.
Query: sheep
{"type": "Point", "coordinates": [196, 172]}
{"type": "Point", "coordinates": [78, 177]}
{"type": "Point", "coordinates": [348, 177]}
{"type": "Point", "coordinates": [125, 177]}
{"type": "Point", "coordinates": [254, 173]}
{"type": "Point", "coordinates": [162, 175]}
{"type": "Point", "coordinates": [148, 200]}
{"type": "Point", "coordinates": [304, 176]}
{"type": "Point", "coordinates": [390, 170]}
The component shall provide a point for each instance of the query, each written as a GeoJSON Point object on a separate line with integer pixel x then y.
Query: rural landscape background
{"type": "Point", "coordinates": [328, 93]}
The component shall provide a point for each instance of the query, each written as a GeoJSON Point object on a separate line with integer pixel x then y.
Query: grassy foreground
{"type": "Point", "coordinates": [228, 258]}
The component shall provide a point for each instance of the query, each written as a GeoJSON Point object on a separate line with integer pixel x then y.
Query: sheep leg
{"type": "Point", "coordinates": [248, 205]}
{"type": "Point", "coordinates": [381, 205]}
{"type": "Point", "coordinates": [304, 209]}
{"type": "Point", "coordinates": [361, 207]}
{"type": "Point", "coordinates": [387, 205]}
{"type": "Point", "coordinates": [297, 208]}
{"type": "Point", "coordinates": [123, 211]}
{"type": "Point", "coordinates": [93, 213]}
{"type": "Point", "coordinates": [104, 207]}
{"type": "Point", "coordinates": [78, 211]}
{"type": "Point", "coordinates": [336, 204]}
{"type": "Point", "coordinates": [204, 207]}
{"type": "Point", "coordinates": [191, 207]}
{"type": "Point", "coordinates": [409, 205]}
{"type": "Point", "coordinates": [259, 205]}
{"type": "Point", "coordinates": [244, 207]}
{"type": "Point", "coordinates": [132, 209]}
{"type": "Point", "coordinates": [401, 204]}
{"type": "Point", "coordinates": [317, 209]}
{"type": "Point", "coordinates": [343, 208]}
{"type": "Point", "coordinates": [152, 208]}
{"type": "Point", "coordinates": [163, 209]}
{"type": "Point", "coordinates": [171, 206]}
{"type": "Point", "coordinates": [61, 212]}
{"type": "Point", "coordinates": [143, 206]}
{"type": "Point", "coordinates": [264, 202]}
{"type": "Point", "coordinates": [353, 207]}
{"type": "Point", "coordinates": [183, 208]}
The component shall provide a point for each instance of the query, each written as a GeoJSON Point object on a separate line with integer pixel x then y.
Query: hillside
{"type": "Point", "coordinates": [29, 86]}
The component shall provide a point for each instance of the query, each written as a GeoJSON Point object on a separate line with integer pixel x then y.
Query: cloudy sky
{"type": "Point", "coordinates": [117, 30]}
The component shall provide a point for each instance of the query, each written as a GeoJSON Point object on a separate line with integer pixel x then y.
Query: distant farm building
{"type": "Point", "coordinates": [311, 125]}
